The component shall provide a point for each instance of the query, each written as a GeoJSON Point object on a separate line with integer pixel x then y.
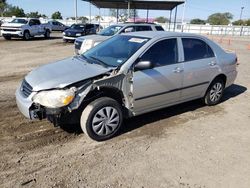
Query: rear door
{"type": "Point", "coordinates": [200, 67]}
{"type": "Point", "coordinates": [33, 27]}
{"type": "Point", "coordinates": [157, 87]}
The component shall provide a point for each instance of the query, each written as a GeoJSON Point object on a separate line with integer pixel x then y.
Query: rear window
{"type": "Point", "coordinates": [195, 49]}
{"type": "Point", "coordinates": [143, 28]}
{"type": "Point", "coordinates": [159, 28]}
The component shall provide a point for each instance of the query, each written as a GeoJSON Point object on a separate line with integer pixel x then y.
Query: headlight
{"type": "Point", "coordinates": [78, 34]}
{"type": "Point", "coordinates": [63, 33]}
{"type": "Point", "coordinates": [86, 45]}
{"type": "Point", "coordinates": [55, 98]}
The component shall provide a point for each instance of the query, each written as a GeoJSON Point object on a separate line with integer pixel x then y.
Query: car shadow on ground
{"type": "Point", "coordinates": [34, 39]}
{"type": "Point", "coordinates": [141, 120]}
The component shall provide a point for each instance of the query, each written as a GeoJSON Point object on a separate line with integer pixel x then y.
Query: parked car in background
{"type": "Point", "coordinates": [82, 44]}
{"type": "Point", "coordinates": [77, 30]}
{"type": "Point", "coordinates": [25, 28]}
{"type": "Point", "coordinates": [124, 76]}
{"type": "Point", "coordinates": [57, 26]}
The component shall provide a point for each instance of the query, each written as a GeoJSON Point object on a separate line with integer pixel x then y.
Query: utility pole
{"type": "Point", "coordinates": [241, 12]}
{"type": "Point", "coordinates": [183, 15]}
{"type": "Point", "coordinates": [76, 11]}
{"type": "Point", "coordinates": [89, 12]}
{"type": "Point", "coordinates": [128, 10]}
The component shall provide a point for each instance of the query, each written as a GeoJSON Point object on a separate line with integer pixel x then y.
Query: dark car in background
{"type": "Point", "coordinates": [78, 30]}
{"type": "Point", "coordinates": [57, 26]}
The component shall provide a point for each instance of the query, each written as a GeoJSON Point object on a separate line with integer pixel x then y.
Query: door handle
{"type": "Point", "coordinates": [178, 70]}
{"type": "Point", "coordinates": [212, 63]}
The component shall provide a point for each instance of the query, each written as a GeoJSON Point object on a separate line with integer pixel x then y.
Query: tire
{"type": "Point", "coordinates": [214, 93]}
{"type": "Point", "coordinates": [7, 37]}
{"type": "Point", "coordinates": [47, 34]}
{"type": "Point", "coordinates": [26, 35]}
{"type": "Point", "coordinates": [102, 119]}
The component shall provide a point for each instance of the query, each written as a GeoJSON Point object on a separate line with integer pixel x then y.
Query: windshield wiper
{"type": "Point", "coordinates": [100, 62]}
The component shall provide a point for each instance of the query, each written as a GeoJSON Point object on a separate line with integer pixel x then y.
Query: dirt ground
{"type": "Point", "coordinates": [188, 145]}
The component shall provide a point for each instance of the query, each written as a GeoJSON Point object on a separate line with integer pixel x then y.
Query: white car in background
{"type": "Point", "coordinates": [82, 44]}
{"type": "Point", "coordinates": [25, 28]}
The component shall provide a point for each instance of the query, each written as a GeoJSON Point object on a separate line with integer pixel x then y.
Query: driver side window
{"type": "Point", "coordinates": [162, 53]}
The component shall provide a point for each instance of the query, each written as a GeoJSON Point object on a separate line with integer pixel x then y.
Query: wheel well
{"type": "Point", "coordinates": [26, 31]}
{"type": "Point", "coordinates": [222, 77]}
{"type": "Point", "coordinates": [111, 92]}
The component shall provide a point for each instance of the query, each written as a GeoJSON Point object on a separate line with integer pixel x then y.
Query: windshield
{"type": "Point", "coordinates": [115, 51]}
{"type": "Point", "coordinates": [19, 21]}
{"type": "Point", "coordinates": [74, 26]}
{"type": "Point", "coordinates": [110, 31]}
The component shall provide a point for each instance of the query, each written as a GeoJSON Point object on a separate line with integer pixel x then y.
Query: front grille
{"type": "Point", "coordinates": [78, 45]}
{"type": "Point", "coordinates": [26, 89]}
{"type": "Point", "coordinates": [10, 30]}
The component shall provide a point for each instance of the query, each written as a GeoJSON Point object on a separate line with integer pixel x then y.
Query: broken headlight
{"type": "Point", "coordinates": [55, 98]}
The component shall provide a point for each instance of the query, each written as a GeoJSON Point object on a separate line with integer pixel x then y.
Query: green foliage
{"type": "Point", "coordinates": [123, 14]}
{"type": "Point", "coordinates": [3, 6]}
{"type": "Point", "coordinates": [83, 19]}
{"type": "Point", "coordinates": [161, 19]}
{"type": "Point", "coordinates": [238, 22]}
{"type": "Point", "coordinates": [220, 18]}
{"type": "Point", "coordinates": [242, 22]}
{"type": "Point", "coordinates": [14, 11]}
{"type": "Point", "coordinates": [197, 21]}
{"type": "Point", "coordinates": [56, 15]}
{"type": "Point", "coordinates": [35, 15]}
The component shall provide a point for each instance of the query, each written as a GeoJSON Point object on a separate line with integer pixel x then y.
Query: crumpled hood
{"type": "Point", "coordinates": [63, 73]}
{"type": "Point", "coordinates": [12, 25]}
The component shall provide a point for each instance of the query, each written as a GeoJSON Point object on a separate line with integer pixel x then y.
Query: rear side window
{"type": "Point", "coordinates": [162, 53]}
{"type": "Point", "coordinates": [195, 49]}
{"type": "Point", "coordinates": [143, 28]}
{"type": "Point", "coordinates": [159, 28]}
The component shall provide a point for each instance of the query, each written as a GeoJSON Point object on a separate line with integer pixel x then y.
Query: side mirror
{"type": "Point", "coordinates": [143, 65]}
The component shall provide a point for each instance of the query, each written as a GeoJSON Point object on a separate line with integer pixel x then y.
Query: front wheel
{"type": "Point", "coordinates": [26, 35]}
{"type": "Point", "coordinates": [7, 37]}
{"type": "Point", "coordinates": [215, 92]}
{"type": "Point", "coordinates": [102, 119]}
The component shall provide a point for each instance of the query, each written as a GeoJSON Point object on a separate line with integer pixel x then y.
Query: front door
{"type": "Point", "coordinates": [159, 86]}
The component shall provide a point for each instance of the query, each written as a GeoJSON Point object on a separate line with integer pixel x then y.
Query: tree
{"type": "Point", "coordinates": [123, 14]}
{"type": "Point", "coordinates": [35, 15]}
{"type": "Point", "coordinates": [247, 22]}
{"type": "Point", "coordinates": [161, 19]}
{"type": "Point", "coordinates": [14, 11]}
{"type": "Point", "coordinates": [3, 6]}
{"type": "Point", "coordinates": [238, 22]}
{"type": "Point", "coordinates": [197, 21]}
{"type": "Point", "coordinates": [83, 19]}
{"type": "Point", "coordinates": [56, 15]}
{"type": "Point", "coordinates": [220, 18]}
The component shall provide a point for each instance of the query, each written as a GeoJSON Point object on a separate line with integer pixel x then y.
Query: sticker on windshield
{"type": "Point", "coordinates": [137, 40]}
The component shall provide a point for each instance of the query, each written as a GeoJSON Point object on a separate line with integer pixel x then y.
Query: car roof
{"type": "Point", "coordinates": [135, 24]}
{"type": "Point", "coordinates": [160, 34]}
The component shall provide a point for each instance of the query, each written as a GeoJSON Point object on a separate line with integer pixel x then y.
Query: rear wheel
{"type": "Point", "coordinates": [47, 34]}
{"type": "Point", "coordinates": [102, 119]}
{"type": "Point", "coordinates": [26, 35]}
{"type": "Point", "coordinates": [7, 37]}
{"type": "Point", "coordinates": [214, 92]}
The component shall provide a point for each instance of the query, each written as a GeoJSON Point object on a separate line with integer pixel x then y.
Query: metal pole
{"type": "Point", "coordinates": [147, 15]}
{"type": "Point", "coordinates": [241, 12]}
{"type": "Point", "coordinates": [99, 18]}
{"type": "Point", "coordinates": [75, 11]}
{"type": "Point", "coordinates": [170, 20]}
{"type": "Point", "coordinates": [134, 15]}
{"type": "Point", "coordinates": [117, 16]}
{"type": "Point", "coordinates": [128, 9]}
{"type": "Point", "coordinates": [89, 11]}
{"type": "Point", "coordinates": [183, 16]}
{"type": "Point", "coordinates": [175, 17]}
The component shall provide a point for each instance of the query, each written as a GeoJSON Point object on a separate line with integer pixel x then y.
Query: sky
{"type": "Point", "coordinates": [194, 8]}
